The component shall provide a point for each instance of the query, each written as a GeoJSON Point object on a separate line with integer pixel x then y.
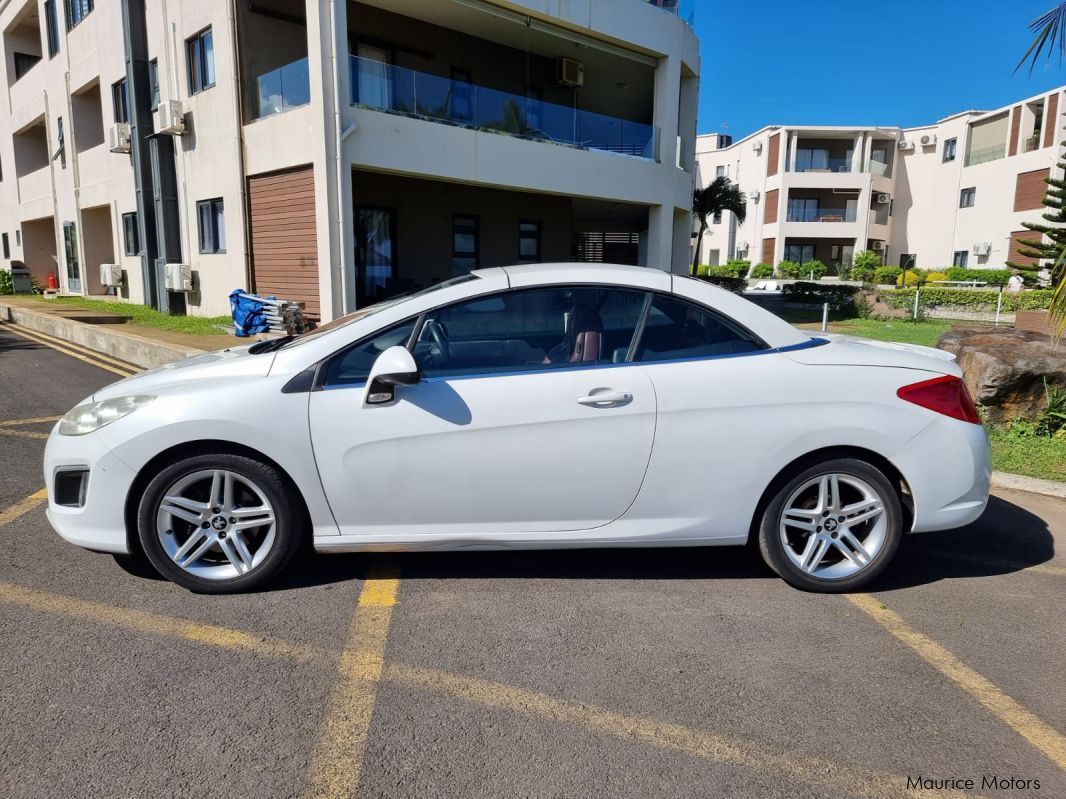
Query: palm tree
{"type": "Point", "coordinates": [721, 195]}
{"type": "Point", "coordinates": [1050, 35]}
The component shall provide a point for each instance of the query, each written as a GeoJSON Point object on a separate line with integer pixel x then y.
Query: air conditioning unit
{"type": "Point", "coordinates": [982, 248]}
{"type": "Point", "coordinates": [178, 277]}
{"type": "Point", "coordinates": [906, 145]}
{"type": "Point", "coordinates": [569, 72]}
{"type": "Point", "coordinates": [756, 196]}
{"type": "Point", "coordinates": [757, 147]}
{"type": "Point", "coordinates": [877, 245]}
{"type": "Point", "coordinates": [169, 118]}
{"type": "Point", "coordinates": [928, 140]}
{"type": "Point", "coordinates": [881, 198]}
{"type": "Point", "coordinates": [110, 274]}
{"type": "Point", "coordinates": [118, 138]}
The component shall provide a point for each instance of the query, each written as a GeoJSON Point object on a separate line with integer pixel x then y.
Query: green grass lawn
{"type": "Point", "coordinates": [924, 333]}
{"type": "Point", "coordinates": [1033, 456]}
{"type": "Point", "coordinates": [143, 315]}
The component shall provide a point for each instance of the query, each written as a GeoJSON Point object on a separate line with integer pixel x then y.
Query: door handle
{"type": "Point", "coordinates": [606, 396]}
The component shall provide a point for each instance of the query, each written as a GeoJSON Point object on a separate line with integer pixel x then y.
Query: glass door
{"type": "Point", "coordinates": [70, 250]}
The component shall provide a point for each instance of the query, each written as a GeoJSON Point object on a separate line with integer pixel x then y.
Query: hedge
{"type": "Point", "coordinates": [840, 297]}
{"type": "Point", "coordinates": [994, 277]}
{"type": "Point", "coordinates": [730, 269]}
{"type": "Point", "coordinates": [762, 271]}
{"type": "Point", "coordinates": [733, 284]}
{"type": "Point", "coordinates": [970, 299]}
{"type": "Point", "coordinates": [804, 270]}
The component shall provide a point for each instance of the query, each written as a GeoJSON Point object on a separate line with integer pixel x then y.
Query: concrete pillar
{"type": "Point", "coordinates": [667, 100]}
{"type": "Point", "coordinates": [856, 154]}
{"type": "Point", "coordinates": [791, 141]}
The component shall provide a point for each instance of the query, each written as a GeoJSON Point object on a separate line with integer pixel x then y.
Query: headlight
{"type": "Point", "coordinates": [87, 418]}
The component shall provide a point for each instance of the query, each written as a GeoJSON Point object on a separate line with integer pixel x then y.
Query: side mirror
{"type": "Point", "coordinates": [394, 367]}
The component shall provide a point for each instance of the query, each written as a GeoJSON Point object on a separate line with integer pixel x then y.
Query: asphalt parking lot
{"type": "Point", "coordinates": [687, 673]}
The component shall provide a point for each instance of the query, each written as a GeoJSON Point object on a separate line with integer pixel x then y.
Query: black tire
{"type": "Point", "coordinates": [772, 546]}
{"type": "Point", "coordinates": [290, 524]}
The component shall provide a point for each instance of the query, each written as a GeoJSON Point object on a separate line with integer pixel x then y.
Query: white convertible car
{"type": "Point", "coordinates": [547, 406]}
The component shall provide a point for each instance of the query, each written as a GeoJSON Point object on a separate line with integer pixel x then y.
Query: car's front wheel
{"type": "Point", "coordinates": [832, 527]}
{"type": "Point", "coordinates": [219, 523]}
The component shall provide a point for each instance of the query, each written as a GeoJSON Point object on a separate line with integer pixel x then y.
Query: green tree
{"type": "Point", "coordinates": [721, 195]}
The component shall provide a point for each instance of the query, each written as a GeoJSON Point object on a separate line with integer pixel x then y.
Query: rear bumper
{"type": "Point", "coordinates": [948, 468]}
{"type": "Point", "coordinates": [99, 523]}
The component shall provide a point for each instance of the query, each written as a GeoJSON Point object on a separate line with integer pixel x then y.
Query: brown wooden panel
{"type": "Point", "coordinates": [284, 239]}
{"type": "Point", "coordinates": [768, 246]}
{"type": "Point", "coordinates": [773, 154]}
{"type": "Point", "coordinates": [1030, 189]}
{"type": "Point", "coordinates": [1015, 129]}
{"type": "Point", "coordinates": [1019, 237]}
{"type": "Point", "coordinates": [770, 212]}
{"type": "Point", "coordinates": [1051, 119]}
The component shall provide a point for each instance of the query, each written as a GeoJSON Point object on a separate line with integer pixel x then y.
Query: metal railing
{"type": "Point", "coordinates": [986, 154]}
{"type": "Point", "coordinates": [399, 90]}
{"type": "Point", "coordinates": [282, 89]}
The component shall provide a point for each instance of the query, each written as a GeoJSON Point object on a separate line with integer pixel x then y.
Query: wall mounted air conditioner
{"type": "Point", "coordinates": [118, 138]}
{"type": "Point", "coordinates": [906, 145]}
{"type": "Point", "coordinates": [756, 196]}
{"type": "Point", "coordinates": [757, 147]}
{"type": "Point", "coordinates": [110, 274]}
{"type": "Point", "coordinates": [169, 118]}
{"type": "Point", "coordinates": [982, 248]}
{"type": "Point", "coordinates": [178, 277]}
{"type": "Point", "coordinates": [877, 245]}
{"type": "Point", "coordinates": [569, 72]}
{"type": "Point", "coordinates": [881, 198]}
{"type": "Point", "coordinates": [928, 140]}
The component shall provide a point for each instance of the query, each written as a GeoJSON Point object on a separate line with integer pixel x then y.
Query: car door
{"type": "Point", "coordinates": [529, 416]}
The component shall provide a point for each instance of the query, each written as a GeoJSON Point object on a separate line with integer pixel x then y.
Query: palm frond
{"type": "Point", "coordinates": [1050, 31]}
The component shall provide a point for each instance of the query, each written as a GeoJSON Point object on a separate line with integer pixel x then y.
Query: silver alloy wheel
{"type": "Point", "coordinates": [216, 524]}
{"type": "Point", "coordinates": [833, 526]}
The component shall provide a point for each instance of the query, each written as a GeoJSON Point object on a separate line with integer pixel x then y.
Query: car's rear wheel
{"type": "Point", "coordinates": [219, 523]}
{"type": "Point", "coordinates": [832, 527]}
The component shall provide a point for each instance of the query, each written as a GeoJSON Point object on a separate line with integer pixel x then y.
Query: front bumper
{"type": "Point", "coordinates": [99, 523]}
{"type": "Point", "coordinates": [948, 467]}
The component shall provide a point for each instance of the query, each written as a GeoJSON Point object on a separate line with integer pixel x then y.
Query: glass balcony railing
{"type": "Point", "coordinates": [406, 91]}
{"type": "Point", "coordinates": [986, 154]}
{"type": "Point", "coordinates": [823, 165]}
{"type": "Point", "coordinates": [686, 9]}
{"type": "Point", "coordinates": [877, 168]}
{"type": "Point", "coordinates": [282, 89]}
{"type": "Point", "coordinates": [820, 215]}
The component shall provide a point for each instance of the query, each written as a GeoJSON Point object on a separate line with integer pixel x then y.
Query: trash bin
{"type": "Point", "coordinates": [20, 278]}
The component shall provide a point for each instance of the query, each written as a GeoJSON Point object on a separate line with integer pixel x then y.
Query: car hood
{"type": "Point", "coordinates": [854, 351]}
{"type": "Point", "coordinates": [233, 363]}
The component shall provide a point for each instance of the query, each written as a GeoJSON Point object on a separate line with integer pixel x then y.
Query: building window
{"type": "Point", "coordinates": [7, 245]}
{"type": "Point", "coordinates": [211, 220]}
{"type": "Point", "coordinates": [200, 56]}
{"type": "Point", "coordinates": [131, 244]}
{"type": "Point", "coordinates": [24, 62]}
{"type": "Point", "coordinates": [464, 243]}
{"type": "Point", "coordinates": [61, 153]}
{"type": "Point", "coordinates": [18, 238]}
{"type": "Point", "coordinates": [153, 81]}
{"type": "Point", "coordinates": [949, 149]}
{"type": "Point", "coordinates": [51, 27]}
{"type": "Point", "coordinates": [529, 242]}
{"type": "Point", "coordinates": [960, 258]}
{"type": "Point", "coordinates": [967, 197]}
{"type": "Point", "coordinates": [719, 172]}
{"type": "Point", "coordinates": [77, 10]}
{"type": "Point", "coordinates": [717, 218]}
{"type": "Point", "coordinates": [799, 253]}
{"type": "Point", "coordinates": [120, 101]}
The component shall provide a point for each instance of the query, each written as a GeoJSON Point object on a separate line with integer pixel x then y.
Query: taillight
{"type": "Point", "coordinates": [946, 395]}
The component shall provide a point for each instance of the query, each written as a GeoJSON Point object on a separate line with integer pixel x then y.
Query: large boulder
{"type": "Point", "coordinates": [1005, 369]}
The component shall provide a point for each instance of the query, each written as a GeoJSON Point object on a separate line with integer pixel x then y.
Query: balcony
{"type": "Point", "coordinates": [820, 214]}
{"type": "Point", "coordinates": [822, 165]}
{"type": "Point", "coordinates": [36, 185]}
{"type": "Point", "coordinates": [686, 9]}
{"type": "Point", "coordinates": [282, 89]}
{"type": "Point", "coordinates": [398, 90]}
{"type": "Point", "coordinates": [986, 154]}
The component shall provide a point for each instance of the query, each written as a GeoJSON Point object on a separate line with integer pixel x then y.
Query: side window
{"type": "Point", "coordinates": [530, 329]}
{"type": "Point", "coordinates": [678, 329]}
{"type": "Point", "coordinates": [353, 365]}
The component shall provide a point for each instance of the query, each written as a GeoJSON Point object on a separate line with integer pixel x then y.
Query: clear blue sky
{"type": "Point", "coordinates": [833, 62]}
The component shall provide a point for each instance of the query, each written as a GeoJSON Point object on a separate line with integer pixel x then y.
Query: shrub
{"type": "Point", "coordinates": [733, 284]}
{"type": "Point", "coordinates": [762, 271]}
{"type": "Point", "coordinates": [994, 277]}
{"type": "Point", "coordinates": [912, 278]}
{"type": "Point", "coordinates": [970, 299]}
{"type": "Point", "coordinates": [863, 273]}
{"type": "Point", "coordinates": [866, 259]}
{"type": "Point", "coordinates": [885, 275]}
{"type": "Point", "coordinates": [933, 277]}
{"type": "Point", "coordinates": [731, 269]}
{"type": "Point", "coordinates": [5, 282]}
{"type": "Point", "coordinates": [840, 298]}
{"type": "Point", "coordinates": [788, 269]}
{"type": "Point", "coordinates": [815, 269]}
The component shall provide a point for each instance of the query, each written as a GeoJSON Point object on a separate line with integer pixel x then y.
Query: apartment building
{"type": "Point", "coordinates": [338, 152]}
{"type": "Point", "coordinates": [952, 193]}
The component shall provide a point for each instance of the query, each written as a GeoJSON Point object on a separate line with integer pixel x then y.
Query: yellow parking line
{"type": "Point", "coordinates": [21, 433]}
{"type": "Point", "coordinates": [23, 506]}
{"type": "Point", "coordinates": [70, 352]}
{"type": "Point", "coordinates": [38, 420]}
{"type": "Point", "coordinates": [82, 348]}
{"type": "Point", "coordinates": [338, 756]}
{"type": "Point", "coordinates": [1046, 739]}
{"type": "Point", "coordinates": [380, 596]}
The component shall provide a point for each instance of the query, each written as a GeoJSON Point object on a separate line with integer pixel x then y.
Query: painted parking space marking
{"type": "Point", "coordinates": [66, 348]}
{"type": "Point", "coordinates": [21, 422]}
{"type": "Point", "coordinates": [23, 506]}
{"type": "Point", "coordinates": [7, 431]}
{"type": "Point", "coordinates": [71, 345]}
{"type": "Point", "coordinates": [1049, 741]}
{"type": "Point", "coordinates": [337, 760]}
{"type": "Point", "coordinates": [710, 747]}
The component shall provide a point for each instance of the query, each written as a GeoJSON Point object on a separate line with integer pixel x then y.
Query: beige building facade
{"type": "Point", "coordinates": [952, 193]}
{"type": "Point", "coordinates": [340, 152]}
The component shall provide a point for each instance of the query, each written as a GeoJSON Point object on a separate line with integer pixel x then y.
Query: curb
{"type": "Point", "coordinates": [144, 352]}
{"type": "Point", "coordinates": [1017, 482]}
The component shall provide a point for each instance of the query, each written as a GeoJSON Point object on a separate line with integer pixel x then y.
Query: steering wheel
{"type": "Point", "coordinates": [440, 338]}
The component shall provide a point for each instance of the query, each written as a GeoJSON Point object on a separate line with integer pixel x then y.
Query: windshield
{"type": "Point", "coordinates": [370, 310]}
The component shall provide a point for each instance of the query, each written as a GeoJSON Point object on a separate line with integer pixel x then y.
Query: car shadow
{"type": "Point", "coordinates": [1006, 539]}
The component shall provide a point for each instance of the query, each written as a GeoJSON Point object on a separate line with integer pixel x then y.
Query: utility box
{"type": "Point", "coordinates": [20, 278]}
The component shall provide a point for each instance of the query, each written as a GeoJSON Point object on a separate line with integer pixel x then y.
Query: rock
{"type": "Point", "coordinates": [1005, 368]}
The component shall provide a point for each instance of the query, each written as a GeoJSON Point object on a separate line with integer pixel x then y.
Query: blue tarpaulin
{"type": "Point", "coordinates": [249, 316]}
